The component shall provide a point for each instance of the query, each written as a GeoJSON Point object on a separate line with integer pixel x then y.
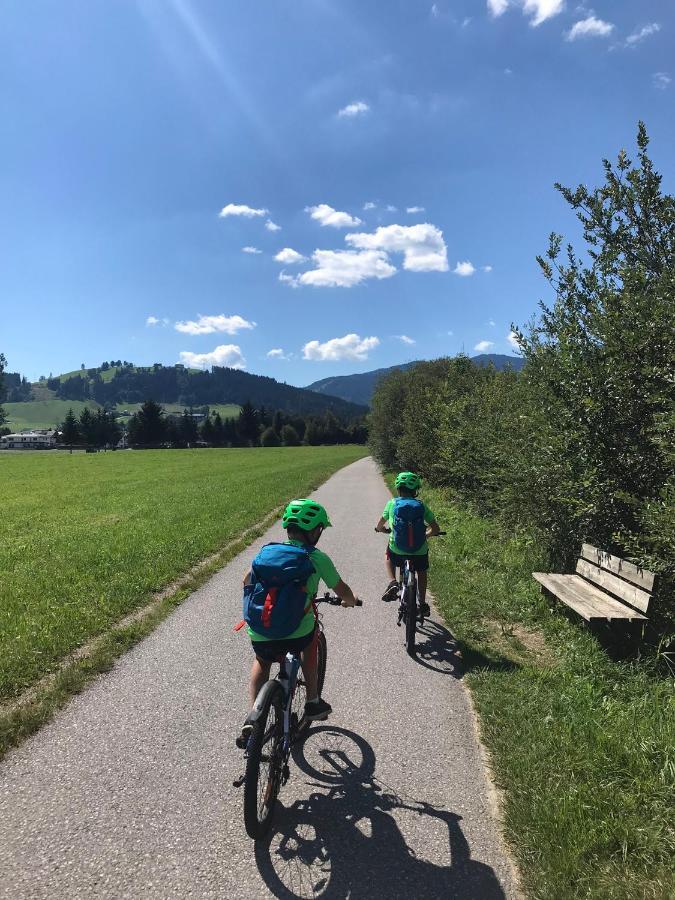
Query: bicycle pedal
{"type": "Point", "coordinates": [239, 781]}
{"type": "Point", "coordinates": [285, 774]}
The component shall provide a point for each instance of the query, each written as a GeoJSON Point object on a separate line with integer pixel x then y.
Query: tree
{"type": "Point", "coordinates": [289, 436]}
{"type": "Point", "coordinates": [87, 427]}
{"type": "Point", "coordinates": [187, 429]}
{"type": "Point", "coordinates": [269, 438]}
{"type": "Point", "coordinates": [247, 424]}
{"type": "Point", "coordinates": [208, 431]}
{"type": "Point", "coordinates": [3, 363]}
{"type": "Point", "coordinates": [147, 427]}
{"type": "Point", "coordinates": [70, 430]}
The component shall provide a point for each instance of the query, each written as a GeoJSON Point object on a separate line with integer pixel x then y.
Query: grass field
{"type": "Point", "coordinates": [582, 746]}
{"type": "Point", "coordinates": [226, 410]}
{"type": "Point", "coordinates": [85, 539]}
{"type": "Point", "coordinates": [42, 413]}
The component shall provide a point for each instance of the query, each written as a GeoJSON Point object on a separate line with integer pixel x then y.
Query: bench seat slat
{"type": "Point", "coordinates": [590, 602]}
{"type": "Point", "coordinates": [614, 585]}
{"type": "Point", "coordinates": [642, 578]}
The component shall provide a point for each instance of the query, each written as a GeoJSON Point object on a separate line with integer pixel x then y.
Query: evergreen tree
{"type": "Point", "coordinates": [187, 429]}
{"type": "Point", "coordinates": [148, 427]}
{"type": "Point", "coordinates": [208, 431]}
{"type": "Point", "coordinates": [70, 430]}
{"type": "Point", "coordinates": [3, 363]}
{"type": "Point", "coordinates": [289, 436]}
{"type": "Point", "coordinates": [87, 427]}
{"type": "Point", "coordinates": [247, 425]}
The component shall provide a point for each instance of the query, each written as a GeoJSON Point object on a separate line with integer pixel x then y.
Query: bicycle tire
{"type": "Point", "coordinates": [268, 732]}
{"type": "Point", "coordinates": [321, 660]}
{"type": "Point", "coordinates": [410, 614]}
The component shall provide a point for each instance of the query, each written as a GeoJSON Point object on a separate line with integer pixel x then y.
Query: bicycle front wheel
{"type": "Point", "coordinates": [321, 660]}
{"type": "Point", "coordinates": [264, 766]}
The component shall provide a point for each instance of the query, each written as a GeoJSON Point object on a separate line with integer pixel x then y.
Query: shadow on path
{"type": "Point", "coordinates": [437, 649]}
{"type": "Point", "coordinates": [344, 841]}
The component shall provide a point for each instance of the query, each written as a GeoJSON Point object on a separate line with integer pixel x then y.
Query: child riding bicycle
{"type": "Point", "coordinates": [278, 595]}
{"type": "Point", "coordinates": [405, 519]}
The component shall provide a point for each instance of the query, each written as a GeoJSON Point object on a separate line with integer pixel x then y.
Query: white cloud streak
{"type": "Point", "coordinates": [513, 340]}
{"type": "Point", "coordinates": [211, 324]}
{"type": "Point", "coordinates": [352, 110]}
{"type": "Point", "coordinates": [414, 209]}
{"type": "Point", "coordinates": [483, 346]}
{"type": "Point", "coordinates": [422, 246]}
{"type": "Point", "coordinates": [661, 80]}
{"type": "Point", "coordinates": [464, 269]}
{"type": "Point", "coordinates": [232, 209]}
{"type": "Point", "coordinates": [290, 257]}
{"type": "Point", "coordinates": [344, 268]}
{"type": "Point", "coordinates": [405, 339]}
{"type": "Point", "coordinates": [252, 250]}
{"type": "Point", "coordinates": [277, 353]}
{"type": "Point", "coordinates": [646, 31]}
{"type": "Point", "coordinates": [537, 10]}
{"type": "Point", "coordinates": [589, 27]}
{"type": "Point", "coordinates": [326, 215]}
{"type": "Point", "coordinates": [351, 346]}
{"type": "Point", "coordinates": [152, 320]}
{"type": "Point", "coordinates": [272, 226]}
{"type": "Point", "coordinates": [229, 355]}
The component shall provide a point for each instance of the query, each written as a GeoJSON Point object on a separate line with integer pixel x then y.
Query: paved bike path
{"type": "Point", "coordinates": [128, 793]}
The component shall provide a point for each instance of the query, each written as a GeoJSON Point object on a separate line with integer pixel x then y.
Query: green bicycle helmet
{"type": "Point", "coordinates": [409, 480]}
{"type": "Point", "coordinates": [305, 514]}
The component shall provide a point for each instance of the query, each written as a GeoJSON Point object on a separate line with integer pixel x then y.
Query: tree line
{"type": "Point", "coordinates": [580, 445]}
{"type": "Point", "coordinates": [152, 427]}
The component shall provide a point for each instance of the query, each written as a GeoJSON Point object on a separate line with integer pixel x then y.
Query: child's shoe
{"type": "Point", "coordinates": [391, 593]}
{"type": "Point", "coordinates": [317, 710]}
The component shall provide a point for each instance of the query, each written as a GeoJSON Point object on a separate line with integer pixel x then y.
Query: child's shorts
{"type": "Point", "coordinates": [272, 651]}
{"type": "Point", "coordinates": [419, 563]}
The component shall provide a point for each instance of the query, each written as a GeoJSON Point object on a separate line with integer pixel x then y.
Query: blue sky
{"type": "Point", "coordinates": [398, 156]}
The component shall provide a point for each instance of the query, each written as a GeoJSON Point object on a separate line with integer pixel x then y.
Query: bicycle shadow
{"type": "Point", "coordinates": [437, 649]}
{"type": "Point", "coordinates": [344, 840]}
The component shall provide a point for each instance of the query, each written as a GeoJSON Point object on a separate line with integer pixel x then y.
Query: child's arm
{"type": "Point", "coordinates": [247, 578]}
{"type": "Point", "coordinates": [433, 529]}
{"type": "Point", "coordinates": [344, 592]}
{"type": "Point", "coordinates": [382, 525]}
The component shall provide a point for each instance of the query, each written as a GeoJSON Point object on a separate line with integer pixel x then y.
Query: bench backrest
{"type": "Point", "coordinates": [628, 583]}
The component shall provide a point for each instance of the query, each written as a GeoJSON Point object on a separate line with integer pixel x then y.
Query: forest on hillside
{"type": "Point", "coordinates": [580, 445]}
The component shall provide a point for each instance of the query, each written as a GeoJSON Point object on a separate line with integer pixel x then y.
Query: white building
{"type": "Point", "coordinates": [29, 440]}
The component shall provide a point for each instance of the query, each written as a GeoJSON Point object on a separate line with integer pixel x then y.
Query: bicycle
{"type": "Point", "coordinates": [277, 718]}
{"type": "Point", "coordinates": [409, 609]}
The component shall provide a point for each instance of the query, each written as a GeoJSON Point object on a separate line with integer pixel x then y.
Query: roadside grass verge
{"type": "Point", "coordinates": [582, 747]}
{"type": "Point", "coordinates": [87, 539]}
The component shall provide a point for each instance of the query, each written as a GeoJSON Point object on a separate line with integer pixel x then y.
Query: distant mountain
{"type": "Point", "coordinates": [127, 384]}
{"type": "Point", "coordinates": [355, 388]}
{"type": "Point", "coordinates": [359, 388]}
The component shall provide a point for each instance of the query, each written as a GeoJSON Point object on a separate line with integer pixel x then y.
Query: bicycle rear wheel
{"type": "Point", "coordinates": [264, 766]}
{"type": "Point", "coordinates": [410, 613]}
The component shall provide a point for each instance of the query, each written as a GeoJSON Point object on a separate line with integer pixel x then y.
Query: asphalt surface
{"type": "Point", "coordinates": [129, 793]}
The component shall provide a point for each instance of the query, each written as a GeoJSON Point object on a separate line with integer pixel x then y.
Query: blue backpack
{"type": "Point", "coordinates": [410, 530]}
{"type": "Point", "coordinates": [276, 599]}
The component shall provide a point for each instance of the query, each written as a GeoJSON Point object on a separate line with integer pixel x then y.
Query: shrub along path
{"type": "Point", "coordinates": [128, 792]}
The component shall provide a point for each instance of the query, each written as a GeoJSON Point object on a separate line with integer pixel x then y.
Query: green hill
{"type": "Point", "coordinates": [42, 413]}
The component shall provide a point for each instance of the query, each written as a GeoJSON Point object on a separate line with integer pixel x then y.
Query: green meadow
{"type": "Point", "coordinates": [87, 538]}
{"type": "Point", "coordinates": [42, 413]}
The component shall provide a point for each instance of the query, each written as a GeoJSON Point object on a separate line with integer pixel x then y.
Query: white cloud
{"type": "Point", "coordinates": [272, 226]}
{"type": "Point", "coordinates": [464, 269]}
{"type": "Point", "coordinates": [369, 205]}
{"type": "Point", "coordinates": [487, 268]}
{"type": "Point", "coordinates": [589, 27]}
{"type": "Point", "coordinates": [435, 11]}
{"type": "Point", "coordinates": [405, 339]}
{"type": "Point", "coordinates": [290, 257]}
{"type": "Point", "coordinates": [292, 280]}
{"type": "Point", "coordinates": [351, 346]}
{"type": "Point", "coordinates": [422, 246]}
{"type": "Point", "coordinates": [252, 250]}
{"type": "Point", "coordinates": [492, 323]}
{"type": "Point", "coordinates": [513, 340]}
{"type": "Point", "coordinates": [225, 355]}
{"type": "Point", "coordinates": [644, 32]}
{"type": "Point", "coordinates": [391, 208]}
{"type": "Point", "coordinates": [497, 7]}
{"type": "Point", "coordinates": [210, 324]}
{"type": "Point", "coordinates": [232, 209]}
{"type": "Point", "coordinates": [326, 215]}
{"type": "Point", "coordinates": [345, 268]}
{"type": "Point", "coordinates": [538, 10]}
{"type": "Point", "coordinates": [277, 353]}
{"type": "Point", "coordinates": [414, 209]}
{"type": "Point", "coordinates": [483, 346]}
{"type": "Point", "coordinates": [358, 108]}
{"type": "Point", "coordinates": [152, 320]}
{"type": "Point", "coordinates": [661, 80]}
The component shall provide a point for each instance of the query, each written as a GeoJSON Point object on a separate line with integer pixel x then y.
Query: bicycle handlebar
{"type": "Point", "coordinates": [388, 531]}
{"type": "Point", "coordinates": [333, 600]}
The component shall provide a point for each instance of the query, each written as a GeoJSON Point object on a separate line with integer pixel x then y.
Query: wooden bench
{"type": "Point", "coordinates": [605, 588]}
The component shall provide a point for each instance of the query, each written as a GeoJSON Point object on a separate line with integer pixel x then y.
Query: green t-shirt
{"type": "Point", "coordinates": [325, 571]}
{"type": "Point", "coordinates": [388, 515]}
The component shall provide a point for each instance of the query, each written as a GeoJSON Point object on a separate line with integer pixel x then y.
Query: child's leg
{"type": "Point", "coordinates": [260, 673]}
{"type": "Point", "coordinates": [309, 658]}
{"type": "Point", "coordinates": [422, 585]}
